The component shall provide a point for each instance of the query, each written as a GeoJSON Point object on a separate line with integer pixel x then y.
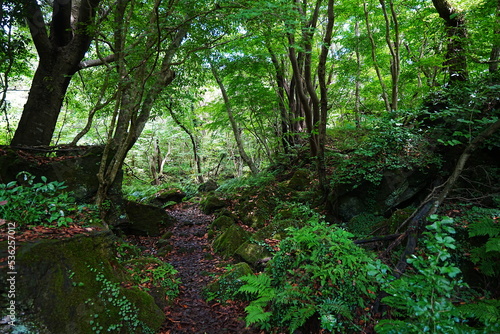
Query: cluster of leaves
{"type": "Point", "coordinates": [460, 112]}
{"type": "Point", "coordinates": [422, 301]}
{"type": "Point", "coordinates": [484, 222]}
{"type": "Point", "coordinates": [226, 286]}
{"type": "Point", "coordinates": [318, 273]}
{"type": "Point", "coordinates": [251, 182]}
{"type": "Point", "coordinates": [387, 145]}
{"type": "Point", "coordinates": [31, 202]}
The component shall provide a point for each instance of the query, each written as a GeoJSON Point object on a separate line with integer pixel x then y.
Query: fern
{"type": "Point", "coordinates": [485, 224]}
{"type": "Point", "coordinates": [493, 245]}
{"type": "Point", "coordinates": [260, 287]}
{"type": "Point", "coordinates": [256, 315]}
{"type": "Point", "coordinates": [486, 311]}
{"type": "Point", "coordinates": [484, 227]}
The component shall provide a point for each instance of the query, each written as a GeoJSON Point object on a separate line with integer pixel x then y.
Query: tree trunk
{"type": "Point", "coordinates": [495, 49]}
{"type": "Point", "coordinates": [456, 60]}
{"type": "Point", "coordinates": [374, 58]}
{"type": "Point", "coordinates": [194, 144]}
{"type": "Point", "coordinates": [236, 130]}
{"type": "Point", "coordinates": [60, 55]}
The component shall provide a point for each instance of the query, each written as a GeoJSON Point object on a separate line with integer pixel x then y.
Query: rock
{"type": "Point", "coordinates": [166, 196]}
{"type": "Point", "coordinates": [228, 242]}
{"type": "Point", "coordinates": [144, 219]}
{"type": "Point", "coordinates": [208, 186]}
{"type": "Point", "coordinates": [69, 286]}
{"type": "Point", "coordinates": [299, 181]}
{"type": "Point", "coordinates": [253, 253]}
{"type": "Point", "coordinates": [398, 188]}
{"type": "Point", "coordinates": [221, 223]}
{"type": "Point", "coordinates": [212, 204]}
{"type": "Point", "coordinates": [77, 167]}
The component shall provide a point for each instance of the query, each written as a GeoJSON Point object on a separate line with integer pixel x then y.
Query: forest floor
{"type": "Point", "coordinates": [197, 265]}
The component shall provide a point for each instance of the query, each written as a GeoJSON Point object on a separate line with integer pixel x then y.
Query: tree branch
{"type": "Point", "coordinates": [96, 62]}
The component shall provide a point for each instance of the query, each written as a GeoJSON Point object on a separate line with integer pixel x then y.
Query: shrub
{"type": "Point", "coordinates": [35, 202]}
{"type": "Point", "coordinates": [318, 275]}
{"type": "Point", "coordinates": [423, 301]}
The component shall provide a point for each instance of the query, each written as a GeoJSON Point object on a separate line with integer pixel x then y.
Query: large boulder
{"type": "Point", "coordinates": [144, 219]}
{"type": "Point", "coordinates": [75, 285]}
{"type": "Point", "coordinates": [77, 167]}
{"type": "Point", "coordinates": [228, 242]}
{"type": "Point", "coordinates": [211, 204]}
{"type": "Point", "coordinates": [398, 188]}
{"type": "Point", "coordinates": [168, 196]}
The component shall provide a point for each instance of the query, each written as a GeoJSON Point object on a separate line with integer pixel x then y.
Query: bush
{"type": "Point", "coordinates": [35, 203]}
{"type": "Point", "coordinates": [317, 275]}
{"type": "Point", "coordinates": [424, 301]}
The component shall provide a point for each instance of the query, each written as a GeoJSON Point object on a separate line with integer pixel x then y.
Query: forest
{"type": "Point", "coordinates": [250, 166]}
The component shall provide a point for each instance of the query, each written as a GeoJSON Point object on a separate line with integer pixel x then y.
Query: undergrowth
{"type": "Point", "coordinates": [35, 203]}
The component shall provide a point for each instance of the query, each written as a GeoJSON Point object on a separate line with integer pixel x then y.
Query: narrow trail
{"type": "Point", "coordinates": [193, 258]}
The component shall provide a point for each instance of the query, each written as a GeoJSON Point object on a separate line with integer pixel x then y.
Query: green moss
{"type": "Point", "coordinates": [221, 223]}
{"type": "Point", "coordinates": [60, 282]}
{"type": "Point", "coordinates": [229, 241]}
{"type": "Point", "coordinates": [252, 252]}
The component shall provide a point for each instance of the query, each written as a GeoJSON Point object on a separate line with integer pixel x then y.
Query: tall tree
{"type": "Point", "coordinates": [456, 31]}
{"type": "Point", "coordinates": [234, 125]}
{"type": "Point", "coordinates": [61, 45]}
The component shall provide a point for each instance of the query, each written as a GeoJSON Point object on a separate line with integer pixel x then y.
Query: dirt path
{"type": "Point", "coordinates": [193, 258]}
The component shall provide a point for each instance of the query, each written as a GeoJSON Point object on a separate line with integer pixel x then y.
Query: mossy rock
{"type": "Point", "coordinates": [228, 242]}
{"type": "Point", "coordinates": [168, 196]}
{"type": "Point", "coordinates": [253, 253]}
{"type": "Point", "coordinates": [226, 286]}
{"type": "Point", "coordinates": [363, 224]}
{"type": "Point", "coordinates": [299, 181]}
{"type": "Point", "coordinates": [145, 219]}
{"type": "Point", "coordinates": [221, 223]}
{"type": "Point", "coordinates": [67, 284]}
{"type": "Point", "coordinates": [211, 204]}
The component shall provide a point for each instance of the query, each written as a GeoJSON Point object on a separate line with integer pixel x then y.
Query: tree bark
{"type": "Point", "coordinates": [374, 58]}
{"type": "Point", "coordinates": [194, 144]}
{"type": "Point", "coordinates": [495, 49]}
{"type": "Point", "coordinates": [456, 31]}
{"type": "Point", "coordinates": [60, 53]}
{"type": "Point", "coordinates": [236, 131]}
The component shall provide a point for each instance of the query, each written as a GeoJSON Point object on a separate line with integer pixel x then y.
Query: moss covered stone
{"type": "Point", "coordinates": [228, 242]}
{"type": "Point", "coordinates": [221, 223]}
{"type": "Point", "coordinates": [67, 284]}
{"type": "Point", "coordinates": [145, 219]}
{"type": "Point", "coordinates": [211, 204]}
{"type": "Point", "coordinates": [253, 253]}
{"type": "Point", "coordinates": [299, 181]}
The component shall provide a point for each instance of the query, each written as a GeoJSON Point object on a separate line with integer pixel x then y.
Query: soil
{"type": "Point", "coordinates": [197, 265]}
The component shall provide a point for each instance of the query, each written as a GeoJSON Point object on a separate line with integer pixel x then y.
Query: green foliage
{"type": "Point", "coordinates": [484, 223]}
{"type": "Point", "coordinates": [460, 112]}
{"type": "Point", "coordinates": [363, 224]}
{"type": "Point", "coordinates": [385, 145]}
{"type": "Point", "coordinates": [227, 286]}
{"type": "Point", "coordinates": [318, 271]}
{"type": "Point", "coordinates": [148, 272]}
{"type": "Point", "coordinates": [33, 202]}
{"type": "Point", "coordinates": [249, 182]}
{"type": "Point", "coordinates": [422, 301]}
